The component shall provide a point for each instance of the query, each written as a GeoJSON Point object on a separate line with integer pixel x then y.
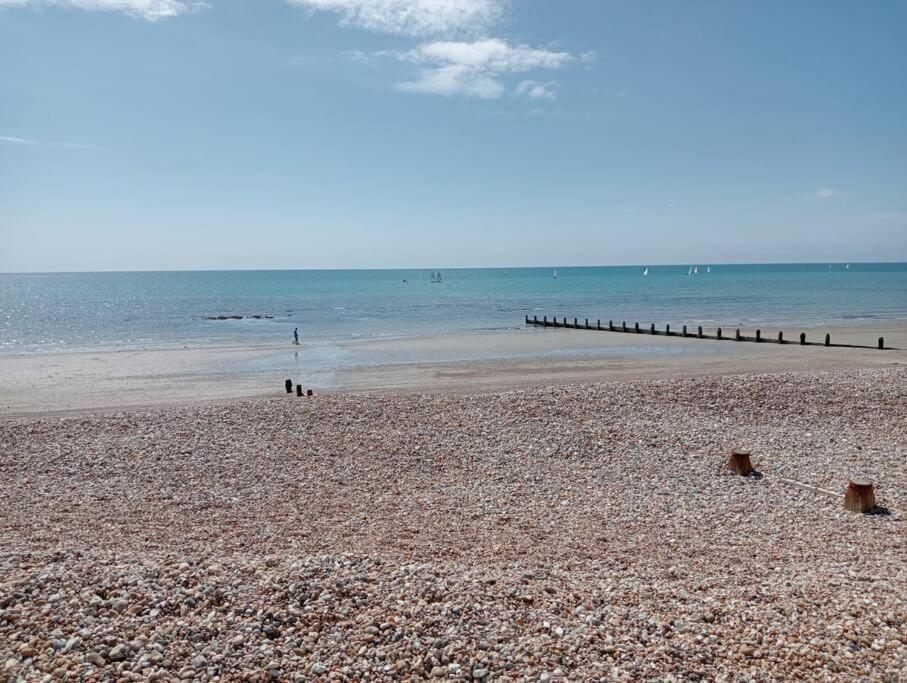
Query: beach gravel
{"type": "Point", "coordinates": [583, 532]}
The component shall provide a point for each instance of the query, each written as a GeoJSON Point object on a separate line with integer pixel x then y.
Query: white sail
{"type": "Point", "coordinates": [695, 270]}
{"type": "Point", "coordinates": [555, 274]}
{"type": "Point", "coordinates": [690, 271]}
{"type": "Point", "coordinates": [708, 269]}
{"type": "Point", "coordinates": [645, 272]}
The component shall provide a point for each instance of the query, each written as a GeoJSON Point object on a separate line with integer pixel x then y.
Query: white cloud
{"type": "Point", "coordinates": [477, 68]}
{"type": "Point", "coordinates": [412, 17]}
{"type": "Point", "coordinates": [824, 193]}
{"type": "Point", "coordinates": [15, 141]}
{"type": "Point", "coordinates": [537, 91]}
{"type": "Point", "coordinates": [151, 10]}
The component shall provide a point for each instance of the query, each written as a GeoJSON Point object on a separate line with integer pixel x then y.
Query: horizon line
{"type": "Point", "coordinates": [430, 268]}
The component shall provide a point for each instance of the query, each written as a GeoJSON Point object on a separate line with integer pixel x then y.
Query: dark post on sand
{"type": "Point", "coordinates": [803, 339]}
{"type": "Point", "coordinates": [780, 337]}
{"type": "Point", "coordinates": [652, 329]}
{"type": "Point", "coordinates": [719, 333]}
{"type": "Point", "coordinates": [289, 385]}
{"type": "Point", "coordinates": [309, 392]}
{"type": "Point", "coordinates": [637, 328]}
{"type": "Point", "coordinates": [739, 462]}
{"type": "Point", "coordinates": [827, 340]}
{"type": "Point", "coordinates": [758, 336]}
{"type": "Point", "coordinates": [737, 334]}
{"type": "Point", "coordinates": [881, 343]}
{"type": "Point", "coordinates": [860, 496]}
{"type": "Point", "coordinates": [699, 332]}
{"type": "Point", "coordinates": [299, 390]}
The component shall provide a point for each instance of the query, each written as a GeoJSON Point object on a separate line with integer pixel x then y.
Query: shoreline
{"type": "Point", "coordinates": [462, 362]}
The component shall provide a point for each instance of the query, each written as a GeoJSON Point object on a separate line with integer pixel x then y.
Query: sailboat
{"type": "Point", "coordinates": [690, 271]}
{"type": "Point", "coordinates": [439, 277]}
{"type": "Point", "coordinates": [847, 267]}
{"type": "Point", "coordinates": [555, 274]}
{"type": "Point", "coordinates": [433, 279]}
{"type": "Point", "coordinates": [695, 270]}
{"type": "Point", "coordinates": [708, 269]}
{"type": "Point", "coordinates": [645, 271]}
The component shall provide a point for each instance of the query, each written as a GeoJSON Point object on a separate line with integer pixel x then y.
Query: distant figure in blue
{"type": "Point", "coordinates": [296, 336]}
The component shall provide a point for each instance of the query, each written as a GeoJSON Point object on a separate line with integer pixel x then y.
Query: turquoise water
{"type": "Point", "coordinates": [80, 311]}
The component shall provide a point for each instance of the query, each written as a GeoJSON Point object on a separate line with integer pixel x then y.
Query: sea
{"type": "Point", "coordinates": [53, 312]}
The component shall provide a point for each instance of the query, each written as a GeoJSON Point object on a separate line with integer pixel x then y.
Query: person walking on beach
{"type": "Point", "coordinates": [296, 336]}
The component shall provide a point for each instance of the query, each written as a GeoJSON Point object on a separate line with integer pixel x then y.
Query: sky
{"type": "Point", "coordinates": [178, 134]}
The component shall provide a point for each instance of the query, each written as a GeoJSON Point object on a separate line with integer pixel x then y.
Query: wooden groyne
{"type": "Point", "coordinates": [697, 333]}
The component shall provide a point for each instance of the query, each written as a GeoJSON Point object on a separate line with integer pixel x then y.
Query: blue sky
{"type": "Point", "coordinates": [173, 134]}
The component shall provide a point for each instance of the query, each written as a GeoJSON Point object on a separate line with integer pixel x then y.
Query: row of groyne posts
{"type": "Point", "coordinates": [858, 497]}
{"type": "Point", "coordinates": [684, 332]}
{"type": "Point", "coordinates": [288, 385]}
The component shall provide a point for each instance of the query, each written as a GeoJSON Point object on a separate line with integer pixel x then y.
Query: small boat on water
{"type": "Point", "coordinates": [708, 269]}
{"type": "Point", "coordinates": [695, 270]}
{"type": "Point", "coordinates": [555, 274]}
{"type": "Point", "coordinates": [690, 271]}
{"type": "Point", "coordinates": [847, 267]}
{"type": "Point", "coordinates": [645, 271]}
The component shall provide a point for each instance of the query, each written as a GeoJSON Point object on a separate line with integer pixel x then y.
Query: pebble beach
{"type": "Point", "coordinates": [576, 532]}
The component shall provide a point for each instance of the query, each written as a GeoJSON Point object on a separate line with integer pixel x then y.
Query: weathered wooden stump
{"type": "Point", "coordinates": [587, 323]}
{"type": "Point", "coordinates": [527, 319]}
{"type": "Point", "coordinates": [827, 340]}
{"type": "Point", "coordinates": [739, 462]}
{"type": "Point", "coordinates": [610, 325]}
{"type": "Point", "coordinates": [575, 323]}
{"type": "Point", "coordinates": [289, 385]}
{"type": "Point", "coordinates": [803, 339]}
{"type": "Point", "coordinates": [758, 336]}
{"type": "Point", "coordinates": [699, 332]}
{"type": "Point", "coordinates": [309, 392]}
{"type": "Point", "coordinates": [719, 333]}
{"type": "Point", "coordinates": [637, 328]}
{"type": "Point", "coordinates": [598, 325]}
{"type": "Point", "coordinates": [780, 337]}
{"type": "Point", "coordinates": [535, 319]}
{"type": "Point", "coordinates": [860, 496]}
{"type": "Point", "coordinates": [668, 330]}
{"type": "Point", "coordinates": [299, 390]}
{"type": "Point", "coordinates": [881, 343]}
{"type": "Point", "coordinates": [623, 325]}
{"type": "Point", "coordinates": [652, 329]}
{"type": "Point", "coordinates": [684, 330]}
{"type": "Point", "coordinates": [737, 334]}
{"type": "Point", "coordinates": [545, 320]}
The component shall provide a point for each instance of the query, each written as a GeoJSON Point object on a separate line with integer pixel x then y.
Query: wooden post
{"type": "Point", "coordinates": [565, 321]}
{"type": "Point", "coordinates": [739, 462]}
{"type": "Point", "coordinates": [737, 335]}
{"type": "Point", "coordinates": [668, 330]}
{"type": "Point", "coordinates": [684, 330]}
{"type": "Point", "coordinates": [575, 323]}
{"type": "Point", "coordinates": [535, 319]}
{"type": "Point", "coordinates": [587, 323]}
{"type": "Point", "coordinates": [699, 333]}
{"type": "Point", "coordinates": [827, 340]}
{"type": "Point", "coordinates": [623, 325]}
{"type": "Point", "coordinates": [289, 385]}
{"type": "Point", "coordinates": [637, 328]}
{"type": "Point", "coordinates": [299, 390]}
{"type": "Point", "coordinates": [652, 329]}
{"type": "Point", "coordinates": [598, 325]}
{"type": "Point", "coordinates": [309, 392]}
{"type": "Point", "coordinates": [803, 339]}
{"type": "Point", "coordinates": [860, 496]}
{"type": "Point", "coordinates": [881, 343]}
{"type": "Point", "coordinates": [758, 336]}
{"type": "Point", "coordinates": [780, 337]}
{"type": "Point", "coordinates": [719, 333]}
{"type": "Point", "coordinates": [610, 325]}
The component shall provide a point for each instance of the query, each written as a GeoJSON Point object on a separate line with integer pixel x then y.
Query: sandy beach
{"type": "Point", "coordinates": [455, 362]}
{"type": "Point", "coordinates": [576, 532]}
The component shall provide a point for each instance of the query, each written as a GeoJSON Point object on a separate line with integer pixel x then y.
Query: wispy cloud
{"type": "Point", "coordinates": [537, 91]}
{"type": "Point", "coordinates": [152, 10]}
{"type": "Point", "coordinates": [478, 68]}
{"type": "Point", "coordinates": [412, 17]}
{"type": "Point", "coordinates": [15, 141]}
{"type": "Point", "coordinates": [824, 193]}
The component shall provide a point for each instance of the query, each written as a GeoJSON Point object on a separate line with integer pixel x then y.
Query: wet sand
{"type": "Point", "coordinates": [462, 362]}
